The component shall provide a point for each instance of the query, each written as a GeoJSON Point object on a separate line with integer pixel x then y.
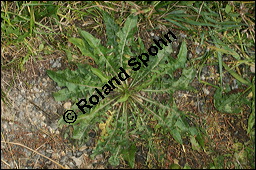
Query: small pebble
{"type": "Point", "coordinates": [78, 153]}
{"type": "Point", "coordinates": [83, 148]}
{"type": "Point", "coordinates": [190, 55]}
{"type": "Point", "coordinates": [55, 156]}
{"type": "Point", "coordinates": [37, 95]}
{"type": "Point", "coordinates": [183, 35]}
{"type": "Point", "coordinates": [35, 89]}
{"type": "Point", "coordinates": [48, 155]}
{"type": "Point", "coordinates": [49, 150]}
{"type": "Point", "coordinates": [206, 91]}
{"type": "Point", "coordinates": [198, 50]}
{"type": "Point", "coordinates": [67, 105]}
{"type": "Point", "coordinates": [63, 159]}
{"type": "Point", "coordinates": [71, 165]}
{"type": "Point", "coordinates": [89, 151]}
{"type": "Point", "coordinates": [89, 142]}
{"type": "Point", "coordinates": [51, 61]}
{"type": "Point", "coordinates": [252, 68]}
{"type": "Point", "coordinates": [69, 154]}
{"type": "Point", "coordinates": [62, 153]}
{"type": "Point", "coordinates": [99, 157]}
{"type": "Point", "coordinates": [156, 37]}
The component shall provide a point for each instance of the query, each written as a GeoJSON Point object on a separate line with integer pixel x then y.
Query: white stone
{"type": "Point", "coordinates": [67, 105]}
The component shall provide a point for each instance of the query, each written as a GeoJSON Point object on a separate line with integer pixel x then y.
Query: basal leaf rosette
{"type": "Point", "coordinates": [126, 90]}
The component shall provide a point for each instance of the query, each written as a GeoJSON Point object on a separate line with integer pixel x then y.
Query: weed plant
{"type": "Point", "coordinates": [136, 109]}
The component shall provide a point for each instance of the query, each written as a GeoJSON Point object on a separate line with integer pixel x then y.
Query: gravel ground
{"type": "Point", "coordinates": [31, 138]}
{"type": "Point", "coordinates": [29, 123]}
{"type": "Point", "coordinates": [29, 119]}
